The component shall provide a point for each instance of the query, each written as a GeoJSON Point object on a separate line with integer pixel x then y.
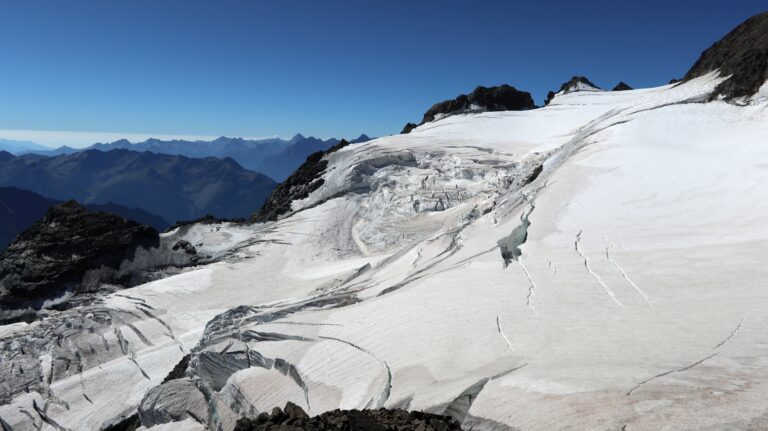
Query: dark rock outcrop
{"type": "Point", "coordinates": [185, 246]}
{"type": "Point", "coordinates": [179, 370]}
{"type": "Point", "coordinates": [408, 128]}
{"type": "Point", "coordinates": [130, 423]}
{"type": "Point", "coordinates": [501, 98]}
{"type": "Point", "coordinates": [570, 85]}
{"type": "Point", "coordinates": [742, 54]}
{"type": "Point", "coordinates": [293, 418]}
{"type": "Point", "coordinates": [622, 86]}
{"type": "Point", "coordinates": [306, 179]}
{"type": "Point", "coordinates": [69, 249]}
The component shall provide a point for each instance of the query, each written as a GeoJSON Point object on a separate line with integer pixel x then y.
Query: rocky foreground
{"type": "Point", "coordinates": [293, 418]}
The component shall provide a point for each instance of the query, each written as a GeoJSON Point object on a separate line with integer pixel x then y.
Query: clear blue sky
{"type": "Point", "coordinates": [325, 68]}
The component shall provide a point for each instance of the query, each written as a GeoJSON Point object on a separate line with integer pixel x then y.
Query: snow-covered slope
{"type": "Point", "coordinates": [594, 264]}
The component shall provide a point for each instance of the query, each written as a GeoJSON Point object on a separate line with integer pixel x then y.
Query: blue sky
{"type": "Point", "coordinates": [323, 68]}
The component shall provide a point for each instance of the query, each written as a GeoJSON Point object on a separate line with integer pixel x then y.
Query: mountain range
{"type": "Point", "coordinates": [274, 157]}
{"type": "Point", "coordinates": [16, 147]}
{"type": "Point", "coordinates": [172, 187]}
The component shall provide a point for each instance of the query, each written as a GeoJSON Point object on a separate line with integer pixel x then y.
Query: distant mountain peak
{"type": "Point", "coordinates": [227, 140]}
{"type": "Point", "coordinates": [576, 83]}
{"type": "Point", "coordinates": [360, 139]}
{"type": "Point", "coordinates": [296, 138]}
{"type": "Point", "coordinates": [622, 86]}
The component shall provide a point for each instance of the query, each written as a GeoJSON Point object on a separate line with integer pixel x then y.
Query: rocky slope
{"type": "Point", "coordinates": [501, 98]}
{"type": "Point", "coordinates": [742, 55]}
{"type": "Point", "coordinates": [70, 251]}
{"type": "Point", "coordinates": [305, 180]}
{"type": "Point", "coordinates": [173, 187]}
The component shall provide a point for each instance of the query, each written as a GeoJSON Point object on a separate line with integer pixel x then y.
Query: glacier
{"type": "Point", "coordinates": [593, 264]}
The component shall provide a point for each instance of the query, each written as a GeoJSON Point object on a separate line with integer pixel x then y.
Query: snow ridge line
{"type": "Point", "coordinates": [728, 338]}
{"type": "Point", "coordinates": [589, 269]}
{"type": "Point", "coordinates": [503, 335]}
{"type": "Point", "coordinates": [666, 373]}
{"type": "Point", "coordinates": [624, 274]}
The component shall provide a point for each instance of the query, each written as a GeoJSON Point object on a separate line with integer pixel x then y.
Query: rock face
{"type": "Point", "coordinates": [576, 83]}
{"type": "Point", "coordinates": [293, 418]}
{"type": "Point", "coordinates": [501, 98]}
{"type": "Point", "coordinates": [305, 180]}
{"type": "Point", "coordinates": [622, 86]}
{"type": "Point", "coordinates": [408, 128]}
{"type": "Point", "coordinates": [70, 250]}
{"type": "Point", "coordinates": [742, 54]}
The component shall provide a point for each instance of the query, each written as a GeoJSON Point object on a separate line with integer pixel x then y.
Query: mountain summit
{"type": "Point", "coordinates": [576, 83]}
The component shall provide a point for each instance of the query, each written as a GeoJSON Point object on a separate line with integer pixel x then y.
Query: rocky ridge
{"type": "Point", "coordinates": [742, 54]}
{"type": "Point", "coordinates": [305, 180]}
{"type": "Point", "coordinates": [500, 98]}
{"type": "Point", "coordinates": [72, 252]}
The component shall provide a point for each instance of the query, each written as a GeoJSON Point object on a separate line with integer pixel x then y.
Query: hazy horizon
{"type": "Point", "coordinates": [54, 139]}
